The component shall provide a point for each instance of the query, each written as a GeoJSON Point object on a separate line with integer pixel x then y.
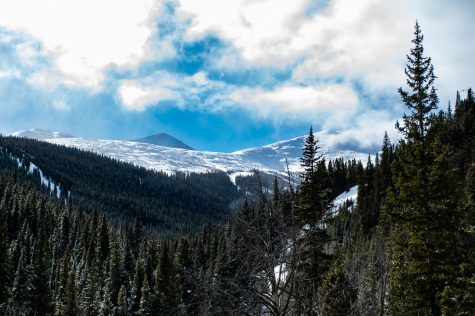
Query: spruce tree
{"type": "Point", "coordinates": [336, 295]}
{"type": "Point", "coordinates": [310, 212]}
{"type": "Point", "coordinates": [423, 212]}
{"type": "Point", "coordinates": [19, 302]}
{"type": "Point", "coordinates": [113, 280]}
{"type": "Point", "coordinates": [421, 98]}
{"type": "Point", "coordinates": [122, 302]}
{"type": "Point", "coordinates": [146, 300]}
{"type": "Point", "coordinates": [185, 271]}
{"type": "Point", "coordinates": [136, 291]}
{"type": "Point", "coordinates": [313, 194]}
{"type": "Point", "coordinates": [167, 283]}
{"type": "Point", "coordinates": [5, 268]}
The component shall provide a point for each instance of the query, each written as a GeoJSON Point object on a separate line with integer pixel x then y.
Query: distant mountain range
{"type": "Point", "coordinates": [163, 139]}
{"type": "Point", "coordinates": [165, 153]}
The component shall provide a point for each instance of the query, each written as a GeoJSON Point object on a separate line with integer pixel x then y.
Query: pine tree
{"type": "Point", "coordinates": [113, 280]}
{"type": "Point", "coordinates": [310, 212]}
{"type": "Point", "coordinates": [146, 300]}
{"type": "Point", "coordinates": [167, 283]}
{"type": "Point", "coordinates": [275, 192]}
{"type": "Point", "coordinates": [62, 303]}
{"type": "Point", "coordinates": [88, 298]}
{"type": "Point", "coordinates": [313, 195]}
{"type": "Point", "coordinates": [421, 99]}
{"type": "Point", "coordinates": [38, 274]}
{"type": "Point", "coordinates": [102, 240]}
{"type": "Point", "coordinates": [424, 204]}
{"type": "Point", "coordinates": [19, 303]}
{"type": "Point", "coordinates": [386, 161]}
{"type": "Point", "coordinates": [185, 271]}
{"type": "Point", "coordinates": [336, 295]}
{"type": "Point", "coordinates": [122, 302]}
{"type": "Point", "coordinates": [5, 268]}
{"type": "Point", "coordinates": [136, 291]}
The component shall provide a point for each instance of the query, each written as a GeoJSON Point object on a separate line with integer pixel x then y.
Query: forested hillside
{"type": "Point", "coordinates": [165, 203]}
{"type": "Point", "coordinates": [407, 247]}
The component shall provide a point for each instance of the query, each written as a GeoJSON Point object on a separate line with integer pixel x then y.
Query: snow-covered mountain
{"type": "Point", "coordinates": [163, 139]}
{"type": "Point", "coordinates": [41, 134]}
{"type": "Point", "coordinates": [269, 158]}
{"type": "Point", "coordinates": [274, 155]}
{"type": "Point", "coordinates": [162, 158]}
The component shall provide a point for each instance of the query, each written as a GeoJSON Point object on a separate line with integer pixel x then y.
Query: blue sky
{"type": "Point", "coordinates": [222, 75]}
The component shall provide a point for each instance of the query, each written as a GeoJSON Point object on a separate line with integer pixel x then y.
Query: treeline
{"type": "Point", "coordinates": [339, 176]}
{"type": "Point", "coordinates": [167, 204]}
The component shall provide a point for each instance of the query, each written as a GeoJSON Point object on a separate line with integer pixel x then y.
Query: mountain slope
{"type": "Point", "coordinates": [163, 139]}
{"type": "Point", "coordinates": [270, 158]}
{"type": "Point", "coordinates": [172, 203]}
{"type": "Point", "coordinates": [40, 134]}
{"type": "Point", "coordinates": [161, 158]}
{"type": "Point", "coordinates": [273, 156]}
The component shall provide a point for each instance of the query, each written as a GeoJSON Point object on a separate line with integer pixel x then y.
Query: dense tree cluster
{"type": "Point", "coordinates": [167, 204]}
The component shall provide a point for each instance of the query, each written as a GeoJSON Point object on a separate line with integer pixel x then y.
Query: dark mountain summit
{"type": "Point", "coordinates": [163, 139]}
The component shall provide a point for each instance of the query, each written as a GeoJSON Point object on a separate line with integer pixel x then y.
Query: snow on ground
{"type": "Point", "coordinates": [351, 194]}
{"type": "Point", "coordinates": [280, 272]}
{"type": "Point", "coordinates": [270, 158]}
{"type": "Point", "coordinates": [164, 158]}
{"type": "Point", "coordinates": [234, 175]}
{"type": "Point", "coordinates": [46, 181]}
{"type": "Point", "coordinates": [274, 155]}
{"type": "Point", "coordinates": [41, 134]}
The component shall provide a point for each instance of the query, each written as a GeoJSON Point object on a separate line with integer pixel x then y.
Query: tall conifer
{"type": "Point", "coordinates": [424, 207]}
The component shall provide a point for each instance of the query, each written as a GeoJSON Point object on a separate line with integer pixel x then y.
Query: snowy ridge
{"type": "Point", "coordinates": [40, 134]}
{"type": "Point", "coordinates": [166, 159]}
{"type": "Point", "coordinates": [270, 158]}
{"type": "Point", "coordinates": [274, 155]}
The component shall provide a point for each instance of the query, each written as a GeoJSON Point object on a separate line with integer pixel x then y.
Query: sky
{"type": "Point", "coordinates": [223, 75]}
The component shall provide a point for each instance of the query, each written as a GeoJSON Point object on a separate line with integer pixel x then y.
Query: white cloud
{"type": "Point", "coordinates": [137, 97]}
{"type": "Point", "coordinates": [200, 78]}
{"type": "Point", "coordinates": [10, 73]}
{"type": "Point", "coordinates": [258, 29]}
{"type": "Point", "coordinates": [366, 129]}
{"type": "Point", "coordinates": [448, 32]}
{"type": "Point", "coordinates": [195, 92]}
{"type": "Point", "coordinates": [83, 37]}
{"type": "Point", "coordinates": [300, 103]}
{"type": "Point", "coordinates": [366, 38]}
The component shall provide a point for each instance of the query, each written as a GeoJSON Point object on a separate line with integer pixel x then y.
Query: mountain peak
{"type": "Point", "coordinates": [163, 139]}
{"type": "Point", "coordinates": [40, 134]}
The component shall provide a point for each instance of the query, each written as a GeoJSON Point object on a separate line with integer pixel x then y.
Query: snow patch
{"type": "Point", "coordinates": [350, 195]}
{"type": "Point", "coordinates": [234, 175]}
{"type": "Point", "coordinates": [280, 272]}
{"type": "Point", "coordinates": [46, 181]}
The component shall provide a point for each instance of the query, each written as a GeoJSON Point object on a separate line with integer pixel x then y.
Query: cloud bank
{"type": "Point", "coordinates": [335, 64]}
